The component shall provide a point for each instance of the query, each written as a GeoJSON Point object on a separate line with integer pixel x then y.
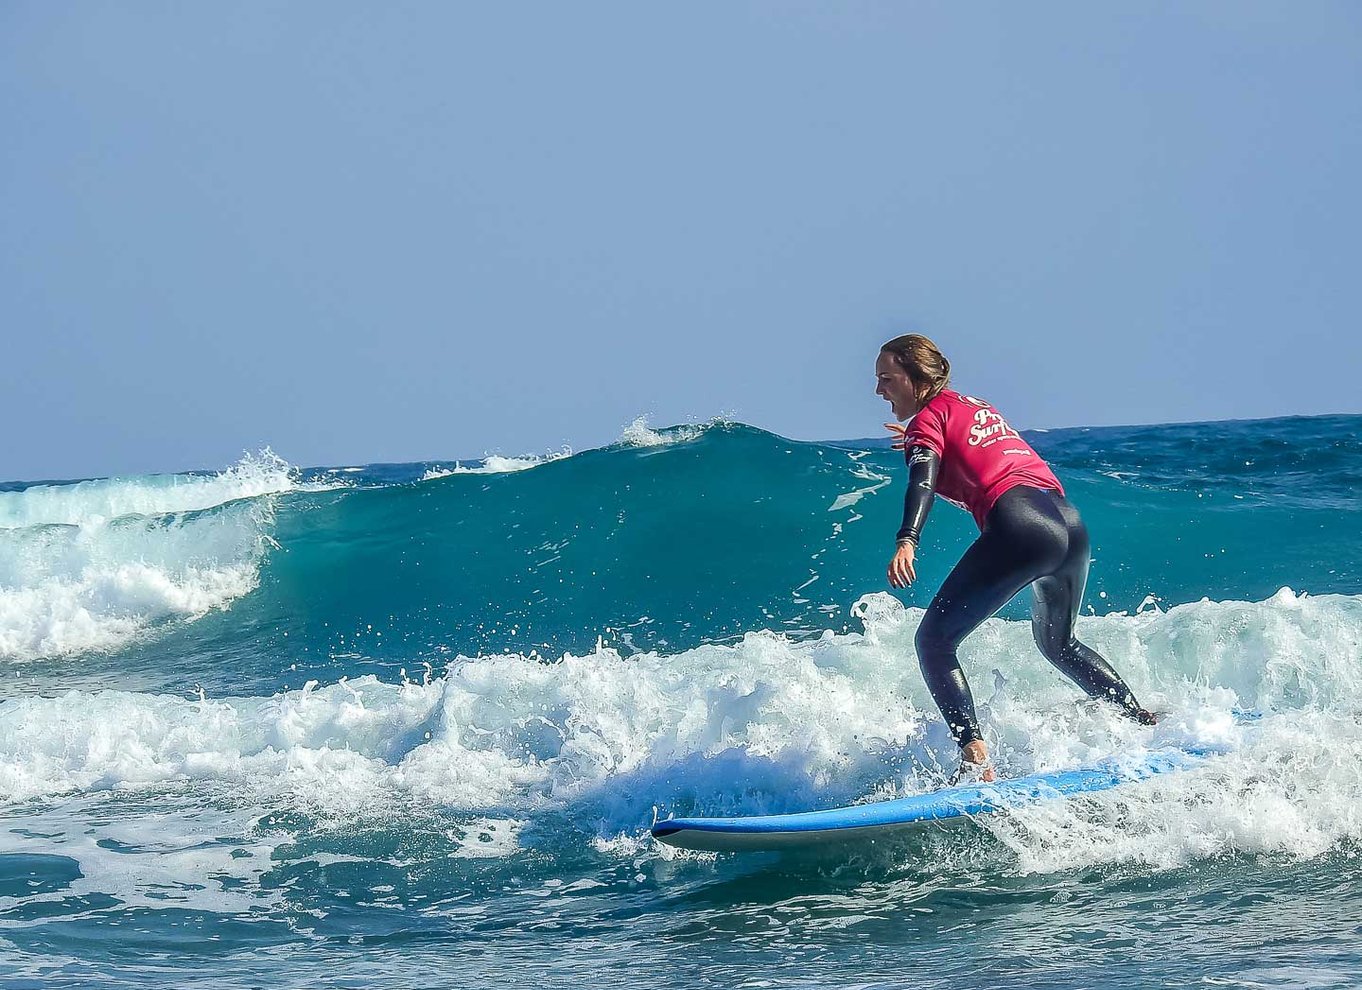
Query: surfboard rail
{"type": "Point", "coordinates": [962, 802]}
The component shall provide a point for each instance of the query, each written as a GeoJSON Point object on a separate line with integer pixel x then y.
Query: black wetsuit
{"type": "Point", "coordinates": [1031, 536]}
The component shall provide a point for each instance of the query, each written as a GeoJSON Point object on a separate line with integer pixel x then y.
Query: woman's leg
{"type": "Point", "coordinates": [1018, 545]}
{"type": "Point", "coordinates": [1054, 607]}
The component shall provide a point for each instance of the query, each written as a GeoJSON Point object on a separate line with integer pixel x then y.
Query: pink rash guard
{"type": "Point", "coordinates": [981, 455]}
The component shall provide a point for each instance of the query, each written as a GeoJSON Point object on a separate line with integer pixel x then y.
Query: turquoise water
{"type": "Point", "coordinates": [410, 723]}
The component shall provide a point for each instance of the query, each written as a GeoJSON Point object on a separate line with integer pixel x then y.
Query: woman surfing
{"type": "Point", "coordinates": [960, 448]}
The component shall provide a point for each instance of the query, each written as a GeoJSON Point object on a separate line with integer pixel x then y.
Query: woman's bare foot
{"type": "Point", "coordinates": [975, 764]}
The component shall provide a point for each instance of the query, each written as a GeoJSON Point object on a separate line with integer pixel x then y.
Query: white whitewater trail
{"type": "Point", "coordinates": [767, 725]}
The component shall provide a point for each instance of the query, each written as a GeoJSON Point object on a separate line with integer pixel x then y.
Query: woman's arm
{"type": "Point", "coordinates": [923, 466]}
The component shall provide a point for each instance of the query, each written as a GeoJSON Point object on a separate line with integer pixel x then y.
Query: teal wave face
{"type": "Point", "coordinates": [657, 548]}
{"type": "Point", "coordinates": [730, 529]}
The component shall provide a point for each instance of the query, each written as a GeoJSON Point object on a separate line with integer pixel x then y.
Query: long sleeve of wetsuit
{"type": "Point", "coordinates": [923, 465]}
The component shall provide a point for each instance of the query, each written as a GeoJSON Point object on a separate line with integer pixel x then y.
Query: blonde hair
{"type": "Point", "coordinates": [923, 362]}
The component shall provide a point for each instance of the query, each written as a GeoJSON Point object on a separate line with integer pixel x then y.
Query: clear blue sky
{"type": "Point", "coordinates": [373, 231]}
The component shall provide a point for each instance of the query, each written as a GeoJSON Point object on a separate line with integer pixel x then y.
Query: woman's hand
{"type": "Point", "coordinates": [900, 434]}
{"type": "Point", "coordinates": [901, 570]}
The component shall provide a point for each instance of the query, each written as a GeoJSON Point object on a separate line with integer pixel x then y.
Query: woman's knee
{"type": "Point", "coordinates": [1051, 639]}
{"type": "Point", "coordinates": [933, 644]}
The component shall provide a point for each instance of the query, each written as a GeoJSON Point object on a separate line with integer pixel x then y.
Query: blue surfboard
{"type": "Point", "coordinates": [884, 818]}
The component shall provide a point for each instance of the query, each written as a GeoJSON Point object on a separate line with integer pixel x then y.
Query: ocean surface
{"type": "Point", "coordinates": [407, 725]}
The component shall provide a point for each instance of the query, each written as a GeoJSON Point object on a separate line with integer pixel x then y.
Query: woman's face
{"type": "Point", "coordinates": [894, 386]}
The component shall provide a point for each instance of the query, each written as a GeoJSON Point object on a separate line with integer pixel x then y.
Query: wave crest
{"type": "Point", "coordinates": [497, 464]}
{"type": "Point", "coordinates": [94, 565]}
{"type": "Point", "coordinates": [97, 502]}
{"type": "Point", "coordinates": [639, 434]}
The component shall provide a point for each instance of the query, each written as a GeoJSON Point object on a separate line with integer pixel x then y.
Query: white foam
{"type": "Point", "coordinates": [93, 566]}
{"type": "Point", "coordinates": [151, 862]}
{"type": "Point", "coordinates": [638, 433]}
{"type": "Point", "coordinates": [107, 607]}
{"type": "Point", "coordinates": [497, 464]}
{"type": "Point", "coordinates": [848, 499]}
{"type": "Point", "coordinates": [1291, 786]}
{"type": "Point", "coordinates": [486, 838]}
{"type": "Point", "coordinates": [770, 724]}
{"type": "Point", "coordinates": [94, 503]}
